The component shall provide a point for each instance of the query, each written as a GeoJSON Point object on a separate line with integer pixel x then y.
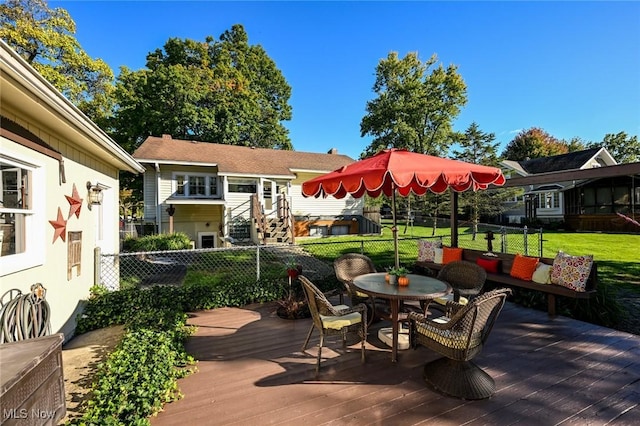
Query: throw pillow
{"type": "Point", "coordinates": [489, 265]}
{"type": "Point", "coordinates": [523, 267]}
{"type": "Point", "coordinates": [426, 250]}
{"type": "Point", "coordinates": [437, 258]}
{"type": "Point", "coordinates": [571, 271]}
{"type": "Point", "coordinates": [451, 254]}
{"type": "Point", "coordinates": [542, 274]}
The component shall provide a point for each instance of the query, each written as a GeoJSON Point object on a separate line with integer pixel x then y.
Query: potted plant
{"type": "Point", "coordinates": [293, 269]}
{"type": "Point", "coordinates": [294, 305]}
{"type": "Point", "coordinates": [398, 275]}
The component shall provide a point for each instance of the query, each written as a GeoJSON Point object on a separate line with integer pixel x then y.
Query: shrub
{"type": "Point", "coordinates": [158, 242]}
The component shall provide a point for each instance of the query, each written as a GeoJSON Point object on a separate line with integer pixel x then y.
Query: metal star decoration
{"type": "Point", "coordinates": [75, 203]}
{"type": "Point", "coordinates": [59, 226]}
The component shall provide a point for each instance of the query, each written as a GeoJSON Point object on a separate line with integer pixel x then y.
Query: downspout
{"type": "Point", "coordinates": [158, 207]}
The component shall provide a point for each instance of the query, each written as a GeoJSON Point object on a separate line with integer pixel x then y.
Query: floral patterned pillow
{"type": "Point", "coordinates": [426, 250]}
{"type": "Point", "coordinates": [571, 271]}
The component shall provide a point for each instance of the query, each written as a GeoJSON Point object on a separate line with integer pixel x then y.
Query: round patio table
{"type": "Point", "coordinates": [420, 288]}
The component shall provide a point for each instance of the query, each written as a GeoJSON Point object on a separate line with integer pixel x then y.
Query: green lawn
{"type": "Point", "coordinates": [617, 255]}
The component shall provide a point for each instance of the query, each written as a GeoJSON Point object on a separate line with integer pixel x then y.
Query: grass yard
{"type": "Point", "coordinates": [618, 255]}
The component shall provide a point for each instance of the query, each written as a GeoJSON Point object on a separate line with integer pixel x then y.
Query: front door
{"type": "Point", "coordinates": [269, 195]}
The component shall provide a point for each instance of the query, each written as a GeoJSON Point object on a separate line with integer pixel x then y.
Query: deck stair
{"type": "Point", "coordinates": [276, 231]}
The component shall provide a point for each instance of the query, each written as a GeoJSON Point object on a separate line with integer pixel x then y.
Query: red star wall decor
{"type": "Point", "coordinates": [75, 203]}
{"type": "Point", "coordinates": [59, 227]}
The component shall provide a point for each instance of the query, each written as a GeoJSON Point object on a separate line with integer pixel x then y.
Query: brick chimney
{"type": "Point", "coordinates": [333, 151]}
{"type": "Point", "coordinates": [164, 136]}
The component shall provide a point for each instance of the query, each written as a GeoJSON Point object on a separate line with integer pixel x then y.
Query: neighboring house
{"type": "Point", "coordinates": [53, 160]}
{"type": "Point", "coordinates": [222, 194]}
{"type": "Point", "coordinates": [597, 203]}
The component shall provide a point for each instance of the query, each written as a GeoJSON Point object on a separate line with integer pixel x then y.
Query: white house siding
{"type": "Point", "coordinates": [149, 194]}
{"type": "Point", "coordinates": [321, 207]}
{"type": "Point", "coordinates": [99, 226]}
{"type": "Point", "coordinates": [239, 204]}
{"type": "Point", "coordinates": [88, 155]}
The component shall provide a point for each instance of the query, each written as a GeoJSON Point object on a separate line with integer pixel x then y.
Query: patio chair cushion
{"type": "Point", "coordinates": [571, 271]}
{"type": "Point", "coordinates": [454, 338]}
{"type": "Point", "coordinates": [448, 298]}
{"type": "Point", "coordinates": [542, 274]}
{"type": "Point", "coordinates": [451, 254]}
{"type": "Point", "coordinates": [523, 267]}
{"type": "Point", "coordinates": [339, 322]}
{"type": "Point", "coordinates": [427, 250]}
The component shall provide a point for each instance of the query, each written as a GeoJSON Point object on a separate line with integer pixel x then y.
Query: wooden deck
{"type": "Point", "coordinates": [547, 372]}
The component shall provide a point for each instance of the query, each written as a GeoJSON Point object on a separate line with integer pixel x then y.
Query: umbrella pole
{"type": "Point", "coordinates": [454, 218]}
{"type": "Point", "coordinates": [394, 229]}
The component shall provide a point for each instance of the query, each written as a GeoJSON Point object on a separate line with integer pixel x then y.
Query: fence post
{"type": "Point", "coordinates": [257, 263]}
{"type": "Point", "coordinates": [540, 241]}
{"type": "Point", "coordinates": [503, 239]}
{"type": "Point", "coordinates": [361, 246]}
{"type": "Point", "coordinates": [97, 262]}
{"type": "Point", "coordinates": [526, 241]}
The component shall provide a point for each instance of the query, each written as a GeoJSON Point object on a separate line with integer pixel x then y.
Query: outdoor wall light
{"type": "Point", "coordinates": [95, 194]}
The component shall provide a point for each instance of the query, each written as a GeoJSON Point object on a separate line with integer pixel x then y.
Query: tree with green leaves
{"type": "Point", "coordinates": [45, 38]}
{"type": "Point", "coordinates": [478, 147]}
{"type": "Point", "coordinates": [223, 91]}
{"type": "Point", "coordinates": [575, 144]}
{"type": "Point", "coordinates": [624, 148]}
{"type": "Point", "coordinates": [533, 143]}
{"type": "Point", "coordinates": [415, 106]}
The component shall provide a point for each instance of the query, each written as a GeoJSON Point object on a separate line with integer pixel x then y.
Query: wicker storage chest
{"type": "Point", "coordinates": [31, 382]}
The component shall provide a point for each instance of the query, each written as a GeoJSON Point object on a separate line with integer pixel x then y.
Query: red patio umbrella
{"type": "Point", "coordinates": [398, 171]}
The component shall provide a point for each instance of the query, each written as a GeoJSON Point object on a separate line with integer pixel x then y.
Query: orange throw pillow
{"type": "Point", "coordinates": [523, 267]}
{"type": "Point", "coordinates": [450, 254]}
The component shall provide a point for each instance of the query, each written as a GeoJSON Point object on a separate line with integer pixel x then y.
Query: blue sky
{"type": "Point", "coordinates": [570, 68]}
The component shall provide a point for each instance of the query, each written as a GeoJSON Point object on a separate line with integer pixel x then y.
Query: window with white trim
{"type": "Point", "coordinates": [243, 186]}
{"type": "Point", "coordinates": [196, 185]}
{"type": "Point", "coordinates": [15, 206]}
{"type": "Point", "coordinates": [22, 219]}
{"type": "Point", "coordinates": [549, 200]}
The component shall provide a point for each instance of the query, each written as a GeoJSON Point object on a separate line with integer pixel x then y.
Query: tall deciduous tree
{"type": "Point", "coordinates": [224, 91]}
{"type": "Point", "coordinates": [624, 148]}
{"type": "Point", "coordinates": [415, 106]}
{"type": "Point", "coordinates": [533, 143]}
{"type": "Point", "coordinates": [45, 38]}
{"type": "Point", "coordinates": [478, 147]}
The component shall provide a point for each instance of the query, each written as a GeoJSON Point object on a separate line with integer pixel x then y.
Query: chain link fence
{"type": "Point", "coordinates": [316, 257]}
{"type": "Point", "coordinates": [173, 267]}
{"type": "Point", "coordinates": [381, 251]}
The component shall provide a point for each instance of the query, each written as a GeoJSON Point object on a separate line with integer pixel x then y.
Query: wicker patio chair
{"type": "Point", "coordinates": [332, 320]}
{"type": "Point", "coordinates": [349, 266]}
{"type": "Point", "coordinates": [466, 278]}
{"type": "Point", "coordinates": [458, 337]}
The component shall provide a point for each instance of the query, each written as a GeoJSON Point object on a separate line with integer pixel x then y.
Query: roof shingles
{"type": "Point", "coordinates": [237, 159]}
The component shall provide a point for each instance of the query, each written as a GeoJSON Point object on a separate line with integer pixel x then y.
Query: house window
{"type": "Point", "coordinates": [195, 185]}
{"type": "Point", "coordinates": [21, 215]}
{"type": "Point", "coordinates": [549, 200]}
{"type": "Point", "coordinates": [243, 186]}
{"type": "Point", "coordinates": [15, 207]}
{"type": "Point", "coordinates": [180, 185]}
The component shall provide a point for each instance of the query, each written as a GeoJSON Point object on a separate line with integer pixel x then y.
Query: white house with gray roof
{"type": "Point", "coordinates": [218, 193]}
{"type": "Point", "coordinates": [546, 202]}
